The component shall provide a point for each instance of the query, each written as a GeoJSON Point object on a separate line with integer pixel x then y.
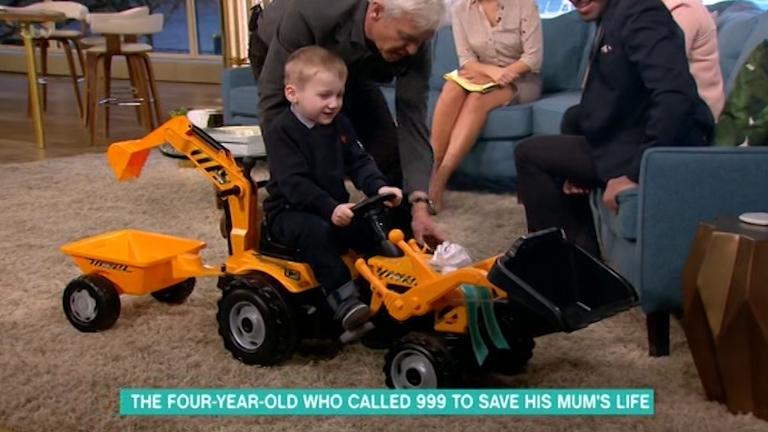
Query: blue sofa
{"type": "Point", "coordinates": [489, 165]}
{"type": "Point", "coordinates": [649, 239]}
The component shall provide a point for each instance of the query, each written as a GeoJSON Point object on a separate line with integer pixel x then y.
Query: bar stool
{"type": "Point", "coordinates": [99, 68]}
{"type": "Point", "coordinates": [66, 39]}
{"type": "Point", "coordinates": [97, 39]}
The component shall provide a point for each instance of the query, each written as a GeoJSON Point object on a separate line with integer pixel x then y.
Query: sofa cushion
{"type": "Point", "coordinates": [548, 111]}
{"type": "Point", "coordinates": [444, 57]}
{"type": "Point", "coordinates": [244, 101]}
{"type": "Point", "coordinates": [510, 122]}
{"type": "Point", "coordinates": [565, 39]}
{"type": "Point", "coordinates": [490, 166]}
{"type": "Point", "coordinates": [618, 250]}
{"type": "Point", "coordinates": [623, 223]}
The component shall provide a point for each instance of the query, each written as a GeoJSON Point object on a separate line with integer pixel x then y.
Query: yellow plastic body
{"type": "Point", "coordinates": [139, 262]}
{"type": "Point", "coordinates": [427, 290]}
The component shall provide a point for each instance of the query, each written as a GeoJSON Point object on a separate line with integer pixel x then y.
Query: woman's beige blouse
{"type": "Point", "coordinates": [515, 36]}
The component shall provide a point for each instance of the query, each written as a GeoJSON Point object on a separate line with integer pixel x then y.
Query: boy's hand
{"type": "Point", "coordinates": [394, 202]}
{"type": "Point", "coordinates": [342, 215]}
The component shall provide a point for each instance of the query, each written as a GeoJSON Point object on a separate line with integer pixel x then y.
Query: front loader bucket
{"type": "Point", "coordinates": [127, 158]}
{"type": "Point", "coordinates": [554, 285]}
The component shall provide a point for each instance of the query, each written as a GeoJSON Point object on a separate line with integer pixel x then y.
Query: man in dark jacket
{"type": "Point", "coordinates": [379, 40]}
{"type": "Point", "coordinates": [638, 94]}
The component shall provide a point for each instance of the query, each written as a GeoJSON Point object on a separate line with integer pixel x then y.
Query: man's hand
{"type": "Point", "coordinates": [342, 215]}
{"type": "Point", "coordinates": [424, 229]}
{"type": "Point", "coordinates": [614, 187]}
{"type": "Point", "coordinates": [394, 202]}
{"type": "Point", "coordinates": [571, 188]}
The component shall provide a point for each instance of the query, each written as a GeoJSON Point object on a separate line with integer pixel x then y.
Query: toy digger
{"type": "Point", "coordinates": [471, 319]}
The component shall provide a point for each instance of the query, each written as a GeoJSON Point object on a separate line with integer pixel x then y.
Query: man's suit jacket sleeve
{"type": "Point", "coordinates": [658, 50]}
{"type": "Point", "coordinates": [413, 137]}
{"type": "Point", "coordinates": [292, 33]}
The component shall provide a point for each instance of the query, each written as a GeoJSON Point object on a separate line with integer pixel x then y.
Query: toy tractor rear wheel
{"type": "Point", "coordinates": [257, 325]}
{"type": "Point", "coordinates": [91, 303]}
{"type": "Point", "coordinates": [514, 360]}
{"type": "Point", "coordinates": [175, 294]}
{"type": "Point", "coordinates": [421, 360]}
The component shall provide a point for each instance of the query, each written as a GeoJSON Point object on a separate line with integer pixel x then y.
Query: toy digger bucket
{"type": "Point", "coordinates": [554, 285]}
{"type": "Point", "coordinates": [127, 158]}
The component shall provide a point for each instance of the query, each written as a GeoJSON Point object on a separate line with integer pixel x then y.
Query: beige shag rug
{"type": "Point", "coordinates": [54, 378]}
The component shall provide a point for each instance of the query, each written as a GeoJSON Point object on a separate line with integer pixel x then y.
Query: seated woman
{"type": "Point", "coordinates": [497, 41]}
{"type": "Point", "coordinates": [700, 33]}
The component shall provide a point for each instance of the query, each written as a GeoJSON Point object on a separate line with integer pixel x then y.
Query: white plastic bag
{"type": "Point", "coordinates": [449, 257]}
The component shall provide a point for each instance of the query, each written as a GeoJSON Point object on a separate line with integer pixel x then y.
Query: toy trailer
{"type": "Point", "coordinates": [128, 262]}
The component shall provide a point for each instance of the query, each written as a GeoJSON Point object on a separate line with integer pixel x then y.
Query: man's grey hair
{"type": "Point", "coordinates": [428, 14]}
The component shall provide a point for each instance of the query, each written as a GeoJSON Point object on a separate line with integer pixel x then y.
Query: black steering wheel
{"type": "Point", "coordinates": [369, 204]}
{"type": "Point", "coordinates": [371, 211]}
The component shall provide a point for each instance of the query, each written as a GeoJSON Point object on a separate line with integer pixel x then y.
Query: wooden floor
{"type": "Point", "coordinates": [65, 133]}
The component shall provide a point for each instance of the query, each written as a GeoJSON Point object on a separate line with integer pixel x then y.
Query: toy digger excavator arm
{"type": "Point", "coordinates": [213, 160]}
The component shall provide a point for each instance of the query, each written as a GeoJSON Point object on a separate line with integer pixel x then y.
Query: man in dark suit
{"type": "Point", "coordinates": [379, 40]}
{"type": "Point", "coordinates": [638, 94]}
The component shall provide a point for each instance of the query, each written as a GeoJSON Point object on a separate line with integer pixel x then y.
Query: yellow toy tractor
{"type": "Point", "coordinates": [440, 326]}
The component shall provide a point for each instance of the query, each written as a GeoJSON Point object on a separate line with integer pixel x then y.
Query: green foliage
{"type": "Point", "coordinates": [745, 117]}
{"type": "Point", "coordinates": [180, 111]}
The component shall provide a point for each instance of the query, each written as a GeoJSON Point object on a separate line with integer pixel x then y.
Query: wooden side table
{"type": "Point", "coordinates": [725, 303]}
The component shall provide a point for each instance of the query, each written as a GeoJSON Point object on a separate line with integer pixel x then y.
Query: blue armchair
{"type": "Point", "coordinates": [239, 96]}
{"type": "Point", "coordinates": [648, 241]}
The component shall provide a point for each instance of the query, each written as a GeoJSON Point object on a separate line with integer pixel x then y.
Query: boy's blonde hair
{"type": "Point", "coordinates": [306, 62]}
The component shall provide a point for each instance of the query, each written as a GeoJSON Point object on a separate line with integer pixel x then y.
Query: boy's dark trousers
{"type": "Point", "coordinates": [320, 245]}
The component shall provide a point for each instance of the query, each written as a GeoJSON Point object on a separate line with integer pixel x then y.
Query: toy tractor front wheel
{"type": "Point", "coordinates": [91, 303]}
{"type": "Point", "coordinates": [419, 361]}
{"type": "Point", "coordinates": [255, 322]}
{"type": "Point", "coordinates": [175, 294]}
{"type": "Point", "coordinates": [514, 360]}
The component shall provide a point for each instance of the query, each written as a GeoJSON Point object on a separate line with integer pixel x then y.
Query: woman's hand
{"type": "Point", "coordinates": [474, 77]}
{"type": "Point", "coordinates": [503, 76]}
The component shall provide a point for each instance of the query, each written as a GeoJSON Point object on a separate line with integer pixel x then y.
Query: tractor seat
{"type": "Point", "coordinates": [269, 247]}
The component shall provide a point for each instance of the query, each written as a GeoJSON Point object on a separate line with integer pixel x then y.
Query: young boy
{"type": "Point", "coordinates": [311, 149]}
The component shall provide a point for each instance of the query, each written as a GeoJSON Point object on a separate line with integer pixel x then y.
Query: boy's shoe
{"type": "Point", "coordinates": [357, 333]}
{"type": "Point", "coordinates": [354, 314]}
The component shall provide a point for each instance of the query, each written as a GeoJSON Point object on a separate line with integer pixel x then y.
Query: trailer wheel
{"type": "Point", "coordinates": [175, 294]}
{"type": "Point", "coordinates": [514, 360]}
{"type": "Point", "coordinates": [419, 361]}
{"type": "Point", "coordinates": [91, 303]}
{"type": "Point", "coordinates": [255, 322]}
